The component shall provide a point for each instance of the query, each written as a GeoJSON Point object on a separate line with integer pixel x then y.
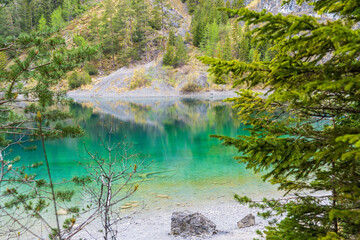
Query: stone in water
{"type": "Point", "coordinates": [62, 212]}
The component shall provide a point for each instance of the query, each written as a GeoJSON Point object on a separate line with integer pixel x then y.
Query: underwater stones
{"type": "Point", "coordinates": [125, 207]}
{"type": "Point", "coordinates": [163, 196]}
{"type": "Point", "coordinates": [191, 224]}
{"type": "Point", "coordinates": [247, 221]}
{"type": "Point", "coordinates": [62, 212]}
{"type": "Point", "coordinates": [131, 204]}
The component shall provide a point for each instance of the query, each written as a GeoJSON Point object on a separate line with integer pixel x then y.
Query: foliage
{"type": "Point", "coordinates": [219, 36]}
{"type": "Point", "coordinates": [169, 56]}
{"type": "Point", "coordinates": [57, 20]}
{"type": "Point", "coordinates": [187, 37]}
{"type": "Point", "coordinates": [42, 24]}
{"type": "Point", "coordinates": [27, 16]}
{"type": "Point", "coordinates": [305, 132]}
{"type": "Point", "coordinates": [176, 54]}
{"type": "Point", "coordinates": [139, 79]}
{"type": "Point", "coordinates": [181, 55]}
{"type": "Point", "coordinates": [80, 41]}
{"type": "Point", "coordinates": [190, 88]}
{"type": "Point", "coordinates": [91, 69]}
{"type": "Point", "coordinates": [3, 60]}
{"type": "Point", "coordinates": [39, 62]}
{"type": "Point", "coordinates": [172, 38]}
{"type": "Point", "coordinates": [77, 79]}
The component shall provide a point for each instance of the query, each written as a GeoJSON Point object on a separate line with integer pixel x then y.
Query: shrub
{"type": "Point", "coordinates": [190, 88]}
{"type": "Point", "coordinates": [91, 69]}
{"type": "Point", "coordinates": [139, 79]}
{"type": "Point", "coordinates": [76, 79]}
{"type": "Point", "coordinates": [187, 37]}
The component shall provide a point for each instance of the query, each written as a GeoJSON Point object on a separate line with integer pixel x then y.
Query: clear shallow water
{"type": "Point", "coordinates": [175, 133]}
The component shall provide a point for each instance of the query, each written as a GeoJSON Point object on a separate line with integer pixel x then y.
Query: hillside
{"type": "Point", "coordinates": [149, 48]}
{"type": "Point", "coordinates": [149, 76]}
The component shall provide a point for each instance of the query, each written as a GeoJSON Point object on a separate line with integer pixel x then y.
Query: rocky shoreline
{"type": "Point", "coordinates": [155, 223]}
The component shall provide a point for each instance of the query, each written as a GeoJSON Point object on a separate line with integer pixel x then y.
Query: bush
{"type": "Point", "coordinates": [91, 69]}
{"type": "Point", "coordinates": [139, 79]}
{"type": "Point", "coordinates": [187, 37]}
{"type": "Point", "coordinates": [76, 79]}
{"type": "Point", "coordinates": [190, 88]}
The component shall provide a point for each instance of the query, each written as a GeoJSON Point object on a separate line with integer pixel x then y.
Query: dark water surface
{"type": "Point", "coordinates": [187, 164]}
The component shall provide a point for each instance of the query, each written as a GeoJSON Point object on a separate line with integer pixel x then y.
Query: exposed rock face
{"type": "Point", "coordinates": [202, 81]}
{"type": "Point", "coordinates": [276, 6]}
{"type": "Point", "coordinates": [247, 221]}
{"type": "Point", "coordinates": [191, 224]}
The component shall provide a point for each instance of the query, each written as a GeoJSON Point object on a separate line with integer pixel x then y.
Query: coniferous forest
{"type": "Point", "coordinates": [179, 119]}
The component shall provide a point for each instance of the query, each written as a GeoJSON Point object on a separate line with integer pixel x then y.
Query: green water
{"type": "Point", "coordinates": [175, 133]}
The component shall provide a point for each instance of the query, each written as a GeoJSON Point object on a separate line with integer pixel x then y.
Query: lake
{"type": "Point", "coordinates": [185, 163]}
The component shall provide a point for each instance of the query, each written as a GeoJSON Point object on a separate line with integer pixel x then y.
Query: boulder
{"type": "Point", "coordinates": [191, 224]}
{"type": "Point", "coordinates": [247, 221]}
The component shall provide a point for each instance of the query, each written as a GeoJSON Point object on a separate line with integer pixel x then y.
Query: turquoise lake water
{"type": "Point", "coordinates": [186, 163]}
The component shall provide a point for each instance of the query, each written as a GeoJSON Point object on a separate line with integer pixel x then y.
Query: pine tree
{"type": "Point", "coordinates": [159, 7]}
{"type": "Point", "coordinates": [42, 24]}
{"type": "Point", "coordinates": [244, 51]}
{"type": "Point", "coordinates": [224, 15]}
{"type": "Point", "coordinates": [95, 36]}
{"type": "Point", "coordinates": [11, 28]}
{"type": "Point", "coordinates": [227, 49]}
{"type": "Point", "coordinates": [210, 39]}
{"type": "Point", "coordinates": [256, 56]}
{"type": "Point", "coordinates": [41, 62]}
{"type": "Point", "coordinates": [172, 38]}
{"type": "Point", "coordinates": [236, 4]}
{"type": "Point", "coordinates": [305, 132]}
{"type": "Point", "coordinates": [187, 37]}
{"type": "Point", "coordinates": [156, 20]}
{"type": "Point", "coordinates": [181, 55]}
{"type": "Point", "coordinates": [57, 20]}
{"type": "Point", "coordinates": [110, 43]}
{"type": "Point", "coordinates": [169, 56]}
{"type": "Point", "coordinates": [68, 8]}
{"type": "Point", "coordinates": [251, 55]}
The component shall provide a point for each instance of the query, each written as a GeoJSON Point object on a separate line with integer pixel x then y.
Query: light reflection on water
{"type": "Point", "coordinates": [187, 164]}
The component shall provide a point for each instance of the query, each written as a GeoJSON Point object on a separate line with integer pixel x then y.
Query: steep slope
{"type": "Point", "coordinates": [147, 76]}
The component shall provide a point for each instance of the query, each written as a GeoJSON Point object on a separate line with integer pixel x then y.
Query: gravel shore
{"type": "Point", "coordinates": [155, 224]}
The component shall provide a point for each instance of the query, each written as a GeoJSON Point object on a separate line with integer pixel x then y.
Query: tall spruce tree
{"type": "Point", "coordinates": [110, 40]}
{"type": "Point", "coordinates": [57, 20]}
{"type": "Point", "coordinates": [169, 56]}
{"type": "Point", "coordinates": [181, 54]}
{"type": "Point", "coordinates": [42, 24]}
{"type": "Point", "coordinates": [305, 133]}
{"type": "Point", "coordinates": [227, 55]}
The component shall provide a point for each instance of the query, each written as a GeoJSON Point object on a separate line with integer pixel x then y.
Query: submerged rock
{"type": "Point", "coordinates": [62, 212]}
{"type": "Point", "coordinates": [191, 224]}
{"type": "Point", "coordinates": [247, 221]}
